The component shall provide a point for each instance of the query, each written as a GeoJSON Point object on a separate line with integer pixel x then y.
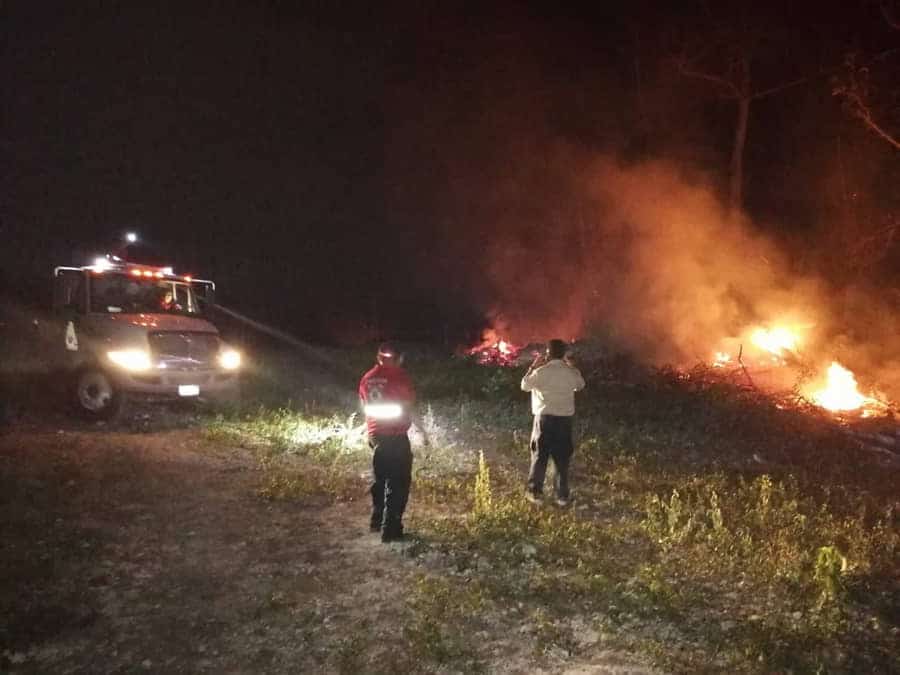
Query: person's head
{"type": "Point", "coordinates": [388, 355]}
{"type": "Point", "coordinates": [556, 349]}
{"type": "Point", "coordinates": [167, 298]}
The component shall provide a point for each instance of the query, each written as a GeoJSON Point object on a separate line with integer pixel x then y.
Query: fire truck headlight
{"type": "Point", "coordinates": [230, 359]}
{"type": "Point", "coordinates": [383, 411]}
{"type": "Point", "coordinates": [130, 359]}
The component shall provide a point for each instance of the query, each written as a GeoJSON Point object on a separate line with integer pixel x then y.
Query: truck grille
{"type": "Point", "coordinates": [185, 351]}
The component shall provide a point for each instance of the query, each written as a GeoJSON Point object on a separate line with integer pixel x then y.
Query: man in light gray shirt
{"type": "Point", "coordinates": [552, 381]}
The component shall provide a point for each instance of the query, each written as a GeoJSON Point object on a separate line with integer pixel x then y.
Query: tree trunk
{"type": "Point", "coordinates": [737, 154]}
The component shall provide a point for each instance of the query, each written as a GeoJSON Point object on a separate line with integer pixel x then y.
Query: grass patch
{"type": "Point", "coordinates": [444, 616]}
{"type": "Point", "coordinates": [748, 568]}
{"type": "Point", "coordinates": [712, 531]}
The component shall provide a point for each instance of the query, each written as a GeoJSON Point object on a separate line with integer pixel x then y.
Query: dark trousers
{"type": "Point", "coordinates": [551, 438]}
{"type": "Point", "coordinates": [392, 470]}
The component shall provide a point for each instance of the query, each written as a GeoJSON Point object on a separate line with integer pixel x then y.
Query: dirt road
{"type": "Point", "coordinates": [129, 552]}
{"type": "Point", "coordinates": [152, 552]}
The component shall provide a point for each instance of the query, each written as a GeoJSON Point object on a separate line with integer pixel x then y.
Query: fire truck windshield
{"type": "Point", "coordinates": [121, 293]}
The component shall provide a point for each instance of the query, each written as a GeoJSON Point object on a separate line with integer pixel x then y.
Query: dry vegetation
{"type": "Point", "coordinates": [712, 531]}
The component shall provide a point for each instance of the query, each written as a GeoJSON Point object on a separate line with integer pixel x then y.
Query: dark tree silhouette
{"type": "Point", "coordinates": [739, 54]}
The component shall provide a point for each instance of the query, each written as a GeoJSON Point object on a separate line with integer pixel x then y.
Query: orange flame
{"type": "Point", "coordinates": [494, 350]}
{"type": "Point", "coordinates": [841, 392]}
{"type": "Point", "coordinates": [835, 389]}
{"type": "Point", "coordinates": [777, 341]}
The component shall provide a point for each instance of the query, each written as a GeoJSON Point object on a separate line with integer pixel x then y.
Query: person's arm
{"type": "Point", "coordinates": [529, 380]}
{"type": "Point", "coordinates": [361, 393]}
{"type": "Point", "coordinates": [578, 384]}
{"type": "Point", "coordinates": [415, 418]}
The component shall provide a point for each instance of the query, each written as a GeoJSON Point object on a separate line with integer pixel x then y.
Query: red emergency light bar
{"type": "Point", "coordinates": [107, 265]}
{"type": "Point", "coordinates": [150, 273]}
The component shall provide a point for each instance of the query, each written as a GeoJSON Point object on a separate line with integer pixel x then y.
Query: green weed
{"type": "Point", "coordinates": [829, 571]}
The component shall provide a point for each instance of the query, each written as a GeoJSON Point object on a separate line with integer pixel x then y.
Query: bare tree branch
{"type": "Point", "coordinates": [882, 56]}
{"type": "Point", "coordinates": [881, 238]}
{"type": "Point", "coordinates": [892, 20]}
{"type": "Point", "coordinates": [866, 117]}
{"type": "Point", "coordinates": [779, 88]}
{"type": "Point", "coordinates": [855, 92]}
{"type": "Point", "coordinates": [717, 80]}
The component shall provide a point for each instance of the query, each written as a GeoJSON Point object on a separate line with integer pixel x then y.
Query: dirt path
{"type": "Point", "coordinates": [151, 552]}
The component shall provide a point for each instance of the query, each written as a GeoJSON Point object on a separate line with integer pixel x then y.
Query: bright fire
{"type": "Point", "coordinates": [494, 350]}
{"type": "Point", "coordinates": [776, 340]}
{"type": "Point", "coordinates": [835, 390]}
{"type": "Point", "coordinates": [721, 359]}
{"type": "Point", "coordinates": [776, 344]}
{"type": "Point", "coordinates": [841, 392]}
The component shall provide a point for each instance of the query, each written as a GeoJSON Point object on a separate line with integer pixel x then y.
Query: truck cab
{"type": "Point", "coordinates": [136, 330]}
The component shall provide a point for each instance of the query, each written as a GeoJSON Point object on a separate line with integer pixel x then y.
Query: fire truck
{"type": "Point", "coordinates": [126, 329]}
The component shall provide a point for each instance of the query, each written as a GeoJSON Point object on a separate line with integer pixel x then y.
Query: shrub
{"type": "Point", "coordinates": [829, 570]}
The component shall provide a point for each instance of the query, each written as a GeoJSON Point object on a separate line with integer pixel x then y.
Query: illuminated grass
{"type": "Point", "coordinates": [301, 455]}
{"type": "Point", "coordinates": [750, 569]}
{"type": "Point", "coordinates": [291, 431]}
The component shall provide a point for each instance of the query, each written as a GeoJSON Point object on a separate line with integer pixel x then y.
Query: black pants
{"type": "Point", "coordinates": [551, 438]}
{"type": "Point", "coordinates": [392, 470]}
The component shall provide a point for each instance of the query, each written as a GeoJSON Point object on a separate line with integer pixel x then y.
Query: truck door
{"type": "Point", "coordinates": [69, 306]}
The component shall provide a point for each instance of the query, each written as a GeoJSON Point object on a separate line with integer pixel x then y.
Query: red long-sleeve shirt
{"type": "Point", "coordinates": [382, 389]}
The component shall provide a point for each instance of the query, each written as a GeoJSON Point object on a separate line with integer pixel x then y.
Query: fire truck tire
{"type": "Point", "coordinates": [95, 395]}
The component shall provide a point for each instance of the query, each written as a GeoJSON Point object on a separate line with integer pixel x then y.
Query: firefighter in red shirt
{"type": "Point", "coordinates": [387, 396]}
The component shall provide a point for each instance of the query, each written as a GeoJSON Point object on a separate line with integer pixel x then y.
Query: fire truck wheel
{"type": "Point", "coordinates": [96, 396]}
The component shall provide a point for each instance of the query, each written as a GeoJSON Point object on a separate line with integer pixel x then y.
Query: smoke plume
{"type": "Point", "coordinates": [649, 257]}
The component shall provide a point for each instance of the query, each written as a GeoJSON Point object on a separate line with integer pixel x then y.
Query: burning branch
{"type": "Point", "coordinates": [740, 359]}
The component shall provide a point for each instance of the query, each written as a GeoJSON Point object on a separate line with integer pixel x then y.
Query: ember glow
{"type": "Point", "coordinates": [721, 359]}
{"type": "Point", "coordinates": [494, 350]}
{"type": "Point", "coordinates": [841, 392]}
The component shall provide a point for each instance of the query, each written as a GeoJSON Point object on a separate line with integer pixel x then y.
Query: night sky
{"type": "Point", "coordinates": [346, 169]}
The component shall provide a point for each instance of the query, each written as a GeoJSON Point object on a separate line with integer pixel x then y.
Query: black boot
{"type": "Point", "coordinates": [392, 531]}
{"type": "Point", "coordinates": [375, 522]}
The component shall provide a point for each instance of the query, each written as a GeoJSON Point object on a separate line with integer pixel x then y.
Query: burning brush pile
{"type": "Point", "coordinates": [774, 356]}
{"type": "Point", "coordinates": [493, 350]}
{"type": "Point", "coordinates": [768, 361]}
{"type": "Point", "coordinates": [767, 358]}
